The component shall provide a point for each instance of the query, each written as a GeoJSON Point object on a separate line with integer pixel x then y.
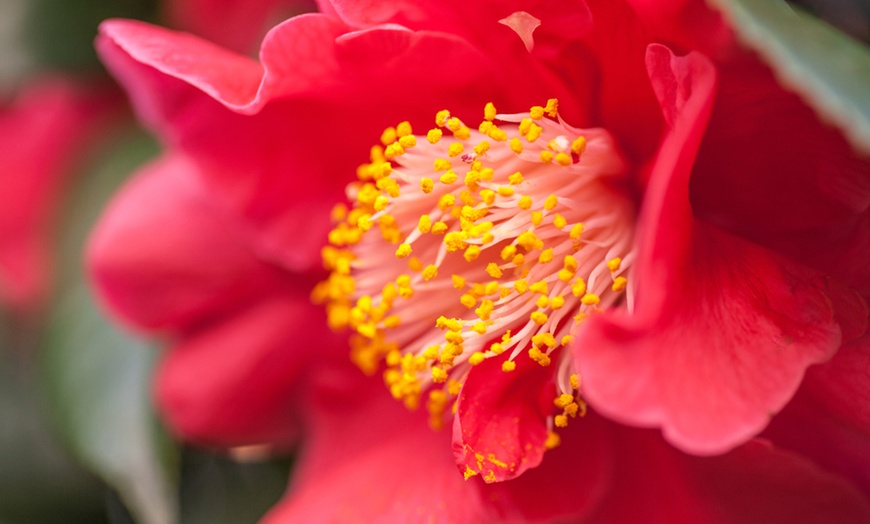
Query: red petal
{"type": "Point", "coordinates": [723, 330]}
{"type": "Point", "coordinates": [233, 382]}
{"type": "Point", "coordinates": [829, 418]}
{"type": "Point", "coordinates": [753, 483]}
{"type": "Point", "coordinates": [501, 421]}
{"type": "Point", "coordinates": [46, 131]}
{"type": "Point", "coordinates": [163, 257]}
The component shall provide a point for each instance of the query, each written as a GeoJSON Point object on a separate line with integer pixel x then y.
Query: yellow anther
{"type": "Point", "coordinates": [496, 134]}
{"type": "Point", "coordinates": [546, 156]}
{"type": "Point", "coordinates": [441, 164]}
{"type": "Point", "coordinates": [508, 365]}
{"type": "Point", "coordinates": [553, 441]}
{"type": "Point", "coordinates": [381, 203]}
{"type": "Point", "coordinates": [454, 241]}
{"type": "Point", "coordinates": [481, 148]}
{"type": "Point", "coordinates": [365, 222]}
{"type": "Point", "coordinates": [463, 133]}
{"type": "Point", "coordinates": [525, 202]}
{"type": "Point", "coordinates": [590, 299]}
{"type": "Point", "coordinates": [551, 202]}
{"type": "Point", "coordinates": [439, 376]}
{"type": "Point", "coordinates": [493, 270]}
{"type": "Point", "coordinates": [542, 302]}
{"type": "Point", "coordinates": [528, 240]}
{"type": "Point", "coordinates": [488, 196]}
{"type": "Point", "coordinates": [516, 146]}
{"type": "Point", "coordinates": [519, 259]}
{"type": "Point", "coordinates": [408, 142]}
{"type": "Point", "coordinates": [389, 136]}
{"type": "Point", "coordinates": [613, 264]}
{"type": "Point", "coordinates": [439, 228]}
{"type": "Point", "coordinates": [486, 173]}
{"type": "Point", "coordinates": [485, 309]}
{"type": "Point", "coordinates": [404, 129]}
{"type": "Point", "coordinates": [441, 117]}
{"type": "Point", "coordinates": [576, 231]}
{"type": "Point", "coordinates": [393, 150]}
{"type": "Point", "coordinates": [537, 218]}
{"type": "Point", "coordinates": [491, 287]}
{"type": "Point", "coordinates": [452, 324]}
{"type": "Point", "coordinates": [446, 201]}
{"type": "Point", "coordinates": [572, 409]}
{"type": "Point", "coordinates": [471, 179]}
{"type": "Point", "coordinates": [578, 145]}
{"type": "Point", "coordinates": [434, 135]}
{"type": "Point", "coordinates": [619, 284]}
{"type": "Point", "coordinates": [497, 348]}
{"type": "Point", "coordinates": [552, 107]}
{"type": "Point", "coordinates": [534, 132]}
{"type": "Point", "coordinates": [455, 149]}
{"type": "Point", "coordinates": [430, 272]}
{"type": "Point", "coordinates": [427, 185]}
{"type": "Point", "coordinates": [414, 264]}
{"type": "Point", "coordinates": [458, 282]}
{"type": "Point", "coordinates": [479, 328]}
{"type": "Point", "coordinates": [575, 381]}
{"type": "Point", "coordinates": [489, 111]}
{"type": "Point", "coordinates": [505, 191]}
{"type": "Point", "coordinates": [546, 256]}
{"type": "Point", "coordinates": [557, 302]}
{"type": "Point", "coordinates": [392, 321]}
{"type": "Point", "coordinates": [516, 178]}
{"type": "Point", "coordinates": [521, 286]}
{"type": "Point", "coordinates": [563, 400]}
{"type": "Point", "coordinates": [541, 288]}
{"type": "Point", "coordinates": [476, 358]}
{"type": "Point", "coordinates": [559, 221]}
{"type": "Point", "coordinates": [578, 288]}
{"type": "Point", "coordinates": [468, 300]}
{"type": "Point", "coordinates": [525, 125]}
{"type": "Point", "coordinates": [425, 224]}
{"type": "Point", "coordinates": [448, 177]}
{"type": "Point", "coordinates": [508, 252]}
{"type": "Point", "coordinates": [538, 317]}
{"type": "Point", "coordinates": [536, 112]}
{"type": "Point", "coordinates": [454, 124]}
{"type": "Point", "coordinates": [404, 251]}
{"type": "Point", "coordinates": [561, 421]}
{"type": "Point", "coordinates": [471, 253]}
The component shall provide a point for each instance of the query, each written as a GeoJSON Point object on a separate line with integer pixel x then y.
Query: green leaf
{"type": "Point", "coordinates": [829, 69]}
{"type": "Point", "coordinates": [97, 377]}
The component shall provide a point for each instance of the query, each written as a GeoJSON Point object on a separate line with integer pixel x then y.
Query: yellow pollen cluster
{"type": "Point", "coordinates": [470, 244]}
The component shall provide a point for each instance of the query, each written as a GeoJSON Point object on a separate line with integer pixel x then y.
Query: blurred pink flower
{"type": "Point", "coordinates": [736, 289]}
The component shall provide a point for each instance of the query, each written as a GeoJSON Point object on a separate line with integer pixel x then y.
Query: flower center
{"type": "Point", "coordinates": [467, 245]}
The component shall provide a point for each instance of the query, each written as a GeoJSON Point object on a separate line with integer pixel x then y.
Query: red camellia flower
{"type": "Point", "coordinates": [47, 129]}
{"type": "Point", "coordinates": [582, 219]}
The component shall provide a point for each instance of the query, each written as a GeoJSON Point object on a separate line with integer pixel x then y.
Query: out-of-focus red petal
{"type": "Point", "coordinates": [723, 330]}
{"type": "Point", "coordinates": [46, 130]}
{"type": "Point", "coordinates": [829, 418]}
{"type": "Point", "coordinates": [753, 483]}
{"type": "Point", "coordinates": [501, 421]}
{"type": "Point", "coordinates": [232, 382]}
{"type": "Point", "coordinates": [368, 459]}
{"type": "Point", "coordinates": [163, 257]}
{"type": "Point", "coordinates": [234, 24]}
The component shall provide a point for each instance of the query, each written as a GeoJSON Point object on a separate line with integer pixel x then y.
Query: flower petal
{"type": "Point", "coordinates": [46, 130]}
{"type": "Point", "coordinates": [723, 330]}
{"type": "Point", "coordinates": [162, 257]}
{"type": "Point", "coordinates": [501, 421]}
{"type": "Point", "coordinates": [233, 382]}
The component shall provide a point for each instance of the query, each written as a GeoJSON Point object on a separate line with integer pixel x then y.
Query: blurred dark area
{"type": "Point", "coordinates": [850, 16]}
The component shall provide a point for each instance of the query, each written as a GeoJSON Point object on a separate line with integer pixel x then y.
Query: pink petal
{"type": "Point", "coordinates": [500, 426]}
{"type": "Point", "coordinates": [723, 330]}
{"type": "Point", "coordinates": [163, 257]}
{"type": "Point", "coordinates": [234, 382]}
{"type": "Point", "coordinates": [46, 131]}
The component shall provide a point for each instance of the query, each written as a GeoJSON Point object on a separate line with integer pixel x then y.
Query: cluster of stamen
{"type": "Point", "coordinates": [474, 244]}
